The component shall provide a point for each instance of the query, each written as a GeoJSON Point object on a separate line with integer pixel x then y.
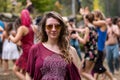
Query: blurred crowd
{"type": "Point", "coordinates": [32, 46]}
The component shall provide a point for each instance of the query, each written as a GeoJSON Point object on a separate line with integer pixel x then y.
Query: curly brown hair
{"type": "Point", "coordinates": [63, 41]}
{"type": "Point", "coordinates": [99, 14]}
{"type": "Point", "coordinates": [90, 17]}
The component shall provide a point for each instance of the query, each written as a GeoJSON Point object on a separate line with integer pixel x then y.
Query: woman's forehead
{"type": "Point", "coordinates": [51, 20]}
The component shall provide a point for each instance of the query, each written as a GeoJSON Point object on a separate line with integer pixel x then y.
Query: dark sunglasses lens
{"type": "Point", "coordinates": [49, 27]}
{"type": "Point", "coordinates": [57, 26]}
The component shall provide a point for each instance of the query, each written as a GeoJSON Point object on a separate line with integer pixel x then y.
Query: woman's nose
{"type": "Point", "coordinates": [53, 28]}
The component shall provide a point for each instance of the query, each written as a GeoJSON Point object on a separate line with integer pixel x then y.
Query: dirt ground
{"type": "Point", "coordinates": [12, 76]}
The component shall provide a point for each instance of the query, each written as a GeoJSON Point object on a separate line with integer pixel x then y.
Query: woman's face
{"type": "Point", "coordinates": [118, 23]}
{"type": "Point", "coordinates": [86, 21]}
{"type": "Point", "coordinates": [95, 17]}
{"type": "Point", "coordinates": [52, 28]}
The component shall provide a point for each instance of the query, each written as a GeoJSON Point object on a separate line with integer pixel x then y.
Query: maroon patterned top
{"type": "Point", "coordinates": [44, 64]}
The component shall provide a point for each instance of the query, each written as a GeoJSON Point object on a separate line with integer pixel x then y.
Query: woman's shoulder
{"type": "Point", "coordinates": [22, 28]}
{"type": "Point", "coordinates": [5, 34]}
{"type": "Point", "coordinates": [72, 50]}
{"type": "Point", "coordinates": [35, 46]}
{"type": "Point", "coordinates": [75, 57]}
{"type": "Point", "coordinates": [87, 29]}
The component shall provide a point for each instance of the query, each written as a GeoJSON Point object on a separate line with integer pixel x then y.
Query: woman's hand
{"type": "Point", "coordinates": [84, 11]}
{"type": "Point", "coordinates": [74, 36]}
{"type": "Point", "coordinates": [13, 33]}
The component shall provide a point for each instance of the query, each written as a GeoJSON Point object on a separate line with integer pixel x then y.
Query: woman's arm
{"type": "Point", "coordinates": [1, 29]}
{"type": "Point", "coordinates": [30, 69]}
{"type": "Point", "coordinates": [80, 30]}
{"type": "Point", "coordinates": [34, 28]}
{"type": "Point", "coordinates": [28, 76]}
{"type": "Point", "coordinates": [19, 43]}
{"type": "Point", "coordinates": [85, 38]}
{"type": "Point", "coordinates": [99, 23]}
{"type": "Point", "coordinates": [20, 32]}
{"type": "Point", "coordinates": [3, 35]}
{"type": "Point", "coordinates": [76, 59]}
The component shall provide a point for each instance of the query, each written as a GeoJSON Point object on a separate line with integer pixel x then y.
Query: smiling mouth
{"type": "Point", "coordinates": [54, 34]}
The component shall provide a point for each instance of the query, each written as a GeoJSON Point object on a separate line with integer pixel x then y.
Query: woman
{"type": "Point", "coordinates": [53, 58]}
{"type": "Point", "coordinates": [74, 42]}
{"type": "Point", "coordinates": [89, 41]}
{"type": "Point", "coordinates": [10, 51]}
{"type": "Point", "coordinates": [2, 26]}
{"type": "Point", "coordinates": [24, 34]}
{"type": "Point", "coordinates": [100, 24]}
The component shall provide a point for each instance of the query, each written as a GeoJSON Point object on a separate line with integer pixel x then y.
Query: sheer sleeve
{"type": "Point", "coordinates": [31, 61]}
{"type": "Point", "coordinates": [72, 72]}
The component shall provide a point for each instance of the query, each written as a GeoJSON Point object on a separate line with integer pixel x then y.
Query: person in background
{"type": "Point", "coordinates": [112, 48]}
{"type": "Point", "coordinates": [100, 24]}
{"type": "Point", "coordinates": [35, 28]}
{"type": "Point", "coordinates": [10, 51]}
{"type": "Point", "coordinates": [89, 41]}
{"type": "Point", "coordinates": [74, 42]}
{"type": "Point", "coordinates": [118, 24]}
{"type": "Point", "coordinates": [53, 58]}
{"type": "Point", "coordinates": [2, 26]}
{"type": "Point", "coordinates": [29, 6]}
{"type": "Point", "coordinates": [24, 34]}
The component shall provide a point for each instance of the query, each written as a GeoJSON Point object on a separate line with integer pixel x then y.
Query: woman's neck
{"type": "Point", "coordinates": [52, 45]}
{"type": "Point", "coordinates": [51, 42]}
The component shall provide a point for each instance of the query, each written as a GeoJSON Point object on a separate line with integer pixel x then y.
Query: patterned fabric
{"type": "Point", "coordinates": [91, 45]}
{"type": "Point", "coordinates": [53, 68]}
{"type": "Point", "coordinates": [44, 64]}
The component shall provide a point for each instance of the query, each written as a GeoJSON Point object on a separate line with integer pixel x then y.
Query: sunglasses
{"type": "Point", "coordinates": [56, 26]}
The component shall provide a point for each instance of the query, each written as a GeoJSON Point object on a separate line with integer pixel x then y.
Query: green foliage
{"type": "Point", "coordinates": [98, 5]}
{"type": "Point", "coordinates": [3, 5]}
{"type": "Point", "coordinates": [44, 5]}
{"type": "Point", "coordinates": [88, 3]}
{"type": "Point", "coordinates": [22, 1]}
{"type": "Point", "coordinates": [7, 6]}
{"type": "Point", "coordinates": [112, 7]}
{"type": "Point", "coordinates": [109, 7]}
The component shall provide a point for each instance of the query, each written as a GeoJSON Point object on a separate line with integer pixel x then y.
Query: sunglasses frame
{"type": "Point", "coordinates": [56, 26]}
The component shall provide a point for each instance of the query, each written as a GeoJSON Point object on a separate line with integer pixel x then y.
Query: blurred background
{"type": "Point", "coordinates": [12, 8]}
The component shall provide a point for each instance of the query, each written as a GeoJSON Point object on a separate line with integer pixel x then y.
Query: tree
{"type": "Point", "coordinates": [3, 5]}
{"type": "Point", "coordinates": [44, 5]}
{"type": "Point", "coordinates": [88, 3]}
